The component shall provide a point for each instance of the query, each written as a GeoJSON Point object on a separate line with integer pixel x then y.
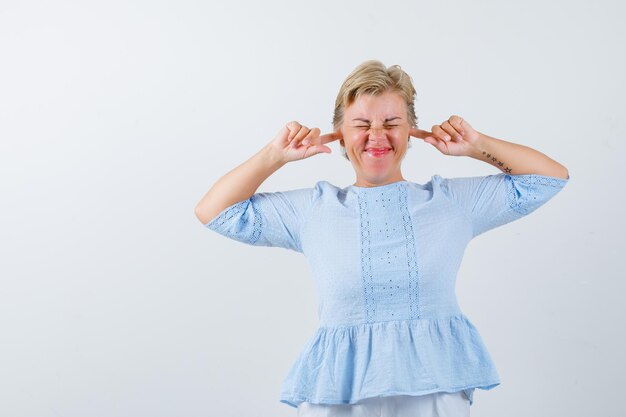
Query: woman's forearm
{"type": "Point", "coordinates": [237, 185]}
{"type": "Point", "coordinates": [515, 159]}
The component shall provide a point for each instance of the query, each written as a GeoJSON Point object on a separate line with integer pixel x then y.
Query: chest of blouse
{"type": "Point", "coordinates": [384, 253]}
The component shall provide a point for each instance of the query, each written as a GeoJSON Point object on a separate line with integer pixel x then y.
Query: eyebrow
{"type": "Point", "coordinates": [389, 119]}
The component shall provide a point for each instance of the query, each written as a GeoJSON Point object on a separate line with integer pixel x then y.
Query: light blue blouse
{"type": "Point", "coordinates": [384, 260]}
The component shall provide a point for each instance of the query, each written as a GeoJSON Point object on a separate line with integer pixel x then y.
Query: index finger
{"type": "Point", "coordinates": [330, 137]}
{"type": "Point", "coordinates": [419, 133]}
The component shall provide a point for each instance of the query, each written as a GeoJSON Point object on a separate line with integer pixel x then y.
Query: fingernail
{"type": "Point", "coordinates": [305, 142]}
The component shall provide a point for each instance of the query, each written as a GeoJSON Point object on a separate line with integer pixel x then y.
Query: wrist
{"type": "Point", "coordinates": [268, 155]}
{"type": "Point", "coordinates": [479, 146]}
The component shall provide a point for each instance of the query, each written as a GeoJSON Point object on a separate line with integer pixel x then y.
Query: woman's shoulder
{"type": "Point", "coordinates": [323, 186]}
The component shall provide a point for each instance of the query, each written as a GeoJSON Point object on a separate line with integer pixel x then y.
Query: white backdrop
{"type": "Point", "coordinates": [117, 116]}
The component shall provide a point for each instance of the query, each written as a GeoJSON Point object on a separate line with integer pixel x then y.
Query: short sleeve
{"type": "Point", "coordinates": [266, 219]}
{"type": "Point", "coordinates": [493, 200]}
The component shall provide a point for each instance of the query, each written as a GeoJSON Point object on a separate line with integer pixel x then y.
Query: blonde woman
{"type": "Point", "coordinates": [384, 251]}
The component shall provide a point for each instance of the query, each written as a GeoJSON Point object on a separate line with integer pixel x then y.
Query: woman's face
{"type": "Point", "coordinates": [375, 134]}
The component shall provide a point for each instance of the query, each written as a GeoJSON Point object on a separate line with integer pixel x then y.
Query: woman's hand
{"type": "Point", "coordinates": [295, 142]}
{"type": "Point", "coordinates": [453, 137]}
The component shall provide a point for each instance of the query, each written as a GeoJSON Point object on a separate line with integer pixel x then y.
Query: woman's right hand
{"type": "Point", "coordinates": [295, 142]}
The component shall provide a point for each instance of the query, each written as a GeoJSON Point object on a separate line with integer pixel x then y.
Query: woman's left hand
{"type": "Point", "coordinates": [452, 137]}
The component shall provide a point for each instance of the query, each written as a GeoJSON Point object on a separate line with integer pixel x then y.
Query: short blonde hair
{"type": "Point", "coordinates": [372, 77]}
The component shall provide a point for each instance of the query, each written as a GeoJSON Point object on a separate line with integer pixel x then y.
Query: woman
{"type": "Point", "coordinates": [384, 251]}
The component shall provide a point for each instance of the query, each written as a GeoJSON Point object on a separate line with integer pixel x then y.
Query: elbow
{"type": "Point", "coordinates": [557, 171]}
{"type": "Point", "coordinates": [201, 215]}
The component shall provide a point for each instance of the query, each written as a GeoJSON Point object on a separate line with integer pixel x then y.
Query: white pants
{"type": "Point", "coordinates": [438, 404]}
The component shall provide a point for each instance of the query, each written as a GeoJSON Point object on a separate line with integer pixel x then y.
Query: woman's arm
{"type": "Point", "coordinates": [238, 184]}
{"type": "Point", "coordinates": [457, 137]}
{"type": "Point", "coordinates": [242, 182]}
{"type": "Point", "coordinates": [515, 159]}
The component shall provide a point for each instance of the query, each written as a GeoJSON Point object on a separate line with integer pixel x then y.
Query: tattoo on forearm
{"type": "Point", "coordinates": [499, 163]}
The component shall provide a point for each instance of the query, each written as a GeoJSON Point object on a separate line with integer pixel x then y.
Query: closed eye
{"type": "Point", "coordinates": [386, 126]}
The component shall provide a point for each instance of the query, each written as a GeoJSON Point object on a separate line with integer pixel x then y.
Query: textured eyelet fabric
{"type": "Point", "coordinates": [385, 260]}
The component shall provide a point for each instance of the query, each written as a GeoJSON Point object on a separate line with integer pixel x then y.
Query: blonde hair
{"type": "Point", "coordinates": [372, 77]}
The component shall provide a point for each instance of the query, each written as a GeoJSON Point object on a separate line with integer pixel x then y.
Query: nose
{"type": "Point", "coordinates": [376, 133]}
